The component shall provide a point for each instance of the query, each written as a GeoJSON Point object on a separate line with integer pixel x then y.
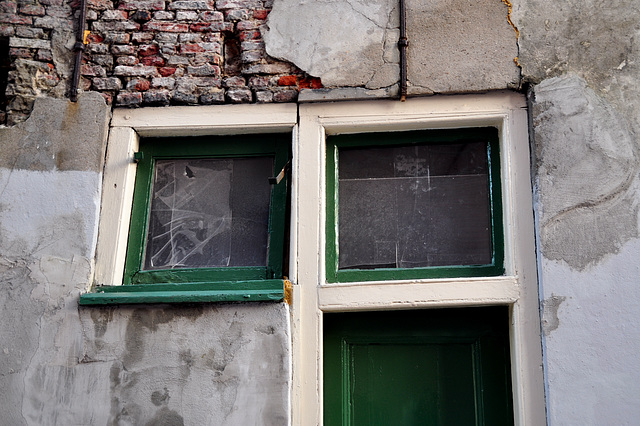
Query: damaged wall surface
{"type": "Point", "coordinates": [578, 62]}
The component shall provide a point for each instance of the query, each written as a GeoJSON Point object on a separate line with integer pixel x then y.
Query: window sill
{"type": "Point", "coordinates": [236, 291]}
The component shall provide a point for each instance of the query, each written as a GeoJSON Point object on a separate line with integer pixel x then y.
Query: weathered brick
{"type": "Point", "coordinates": [115, 15]}
{"type": "Point", "coordinates": [163, 15]}
{"type": "Point", "coordinates": [100, 4]}
{"type": "Point", "coordinates": [8, 7]}
{"type": "Point", "coordinates": [85, 84]}
{"type": "Point", "coordinates": [142, 37]}
{"type": "Point", "coordinates": [153, 61]}
{"type": "Point", "coordinates": [10, 18]}
{"type": "Point", "coordinates": [163, 82]}
{"type": "Point", "coordinates": [252, 56]}
{"type": "Point", "coordinates": [236, 81]}
{"type": "Point", "coordinates": [167, 49]}
{"type": "Point", "coordinates": [264, 96]}
{"type": "Point", "coordinates": [148, 50]}
{"type": "Point", "coordinates": [185, 98]}
{"type": "Point", "coordinates": [157, 97]}
{"type": "Point", "coordinates": [249, 35]}
{"type": "Point", "coordinates": [177, 60]}
{"type": "Point", "coordinates": [92, 15]}
{"type": "Point", "coordinates": [127, 60]}
{"type": "Point", "coordinates": [138, 85]}
{"type": "Point", "coordinates": [188, 48]}
{"type": "Point", "coordinates": [186, 15]}
{"type": "Point", "coordinates": [142, 15]}
{"type": "Point", "coordinates": [93, 71]}
{"type": "Point", "coordinates": [198, 82]}
{"type": "Point", "coordinates": [204, 70]}
{"type": "Point", "coordinates": [16, 52]}
{"type": "Point", "coordinates": [137, 71]}
{"type": "Point", "coordinates": [191, 5]}
{"type": "Point", "coordinates": [44, 55]}
{"type": "Point", "coordinates": [169, 27]}
{"type": "Point", "coordinates": [259, 81]}
{"type": "Point", "coordinates": [213, 96]}
{"type": "Point", "coordinates": [288, 80]}
{"type": "Point", "coordinates": [108, 97]}
{"type": "Point", "coordinates": [310, 83]}
{"type": "Point", "coordinates": [248, 25]}
{"type": "Point", "coordinates": [212, 26]}
{"type": "Point", "coordinates": [252, 45]}
{"type": "Point", "coordinates": [29, 43]}
{"type": "Point", "coordinates": [212, 37]}
{"type": "Point", "coordinates": [211, 47]}
{"type": "Point", "coordinates": [166, 71]}
{"type": "Point", "coordinates": [280, 68]}
{"type": "Point", "coordinates": [239, 95]}
{"type": "Point", "coordinates": [285, 96]}
{"type": "Point", "coordinates": [238, 4]}
{"type": "Point", "coordinates": [105, 27]}
{"type": "Point", "coordinates": [99, 48]}
{"type": "Point", "coordinates": [118, 38]}
{"type": "Point", "coordinates": [7, 30]}
{"type": "Point", "coordinates": [29, 32]}
{"type": "Point", "coordinates": [260, 14]}
{"type": "Point", "coordinates": [48, 22]}
{"type": "Point", "coordinates": [104, 60]}
{"type": "Point", "coordinates": [32, 9]}
{"type": "Point", "coordinates": [51, 2]}
{"type": "Point", "coordinates": [211, 16]}
{"type": "Point", "coordinates": [63, 11]}
{"type": "Point", "coordinates": [206, 58]}
{"type": "Point", "coordinates": [235, 15]}
{"type": "Point", "coordinates": [141, 5]}
{"type": "Point", "coordinates": [167, 37]}
{"type": "Point", "coordinates": [129, 99]}
{"type": "Point", "coordinates": [109, 83]}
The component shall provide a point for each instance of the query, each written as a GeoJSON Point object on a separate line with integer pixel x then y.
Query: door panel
{"type": "Point", "coordinates": [423, 367]}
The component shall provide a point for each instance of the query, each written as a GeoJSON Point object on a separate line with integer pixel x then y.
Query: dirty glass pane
{"type": "Point", "coordinates": [414, 206]}
{"type": "Point", "coordinates": [209, 213]}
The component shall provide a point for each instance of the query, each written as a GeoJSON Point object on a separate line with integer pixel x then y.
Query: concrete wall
{"type": "Point", "coordinates": [229, 364]}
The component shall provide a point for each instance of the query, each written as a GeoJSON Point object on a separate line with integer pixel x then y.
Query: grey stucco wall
{"type": "Point", "coordinates": [65, 365]}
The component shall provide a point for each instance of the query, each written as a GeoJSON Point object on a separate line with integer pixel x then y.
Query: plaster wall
{"type": "Point", "coordinates": [61, 364]}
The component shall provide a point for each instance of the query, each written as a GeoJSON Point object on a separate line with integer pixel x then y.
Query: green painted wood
{"type": "Point", "coordinates": [240, 291]}
{"type": "Point", "coordinates": [207, 147]}
{"type": "Point", "coordinates": [334, 143]}
{"type": "Point", "coordinates": [424, 367]}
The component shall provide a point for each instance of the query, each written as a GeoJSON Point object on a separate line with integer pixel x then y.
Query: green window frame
{"type": "Point", "coordinates": [202, 284]}
{"type": "Point", "coordinates": [389, 139]}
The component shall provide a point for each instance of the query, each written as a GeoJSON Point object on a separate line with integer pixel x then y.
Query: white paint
{"type": "Point", "coordinates": [38, 206]}
{"type": "Point", "coordinates": [518, 288]}
{"type": "Point", "coordinates": [592, 357]}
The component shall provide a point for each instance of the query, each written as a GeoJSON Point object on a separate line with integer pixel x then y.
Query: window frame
{"type": "Point", "coordinates": [389, 139]}
{"type": "Point", "coordinates": [312, 293]}
{"type": "Point", "coordinates": [128, 127]}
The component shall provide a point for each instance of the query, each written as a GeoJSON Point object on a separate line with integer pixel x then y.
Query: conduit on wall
{"type": "Point", "coordinates": [78, 48]}
{"type": "Point", "coordinates": [402, 46]}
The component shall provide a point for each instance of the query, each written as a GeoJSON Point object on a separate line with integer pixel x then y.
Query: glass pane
{"type": "Point", "coordinates": [209, 213]}
{"type": "Point", "coordinates": [414, 206]}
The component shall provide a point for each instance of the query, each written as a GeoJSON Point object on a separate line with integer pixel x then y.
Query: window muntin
{"type": "Point", "coordinates": [204, 211]}
{"type": "Point", "coordinates": [408, 205]}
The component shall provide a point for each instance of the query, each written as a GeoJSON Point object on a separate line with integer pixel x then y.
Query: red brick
{"type": "Point", "coordinates": [20, 53]}
{"type": "Point", "coordinates": [249, 35]}
{"type": "Point", "coordinates": [99, 4]}
{"type": "Point", "coordinates": [95, 38]}
{"type": "Point", "coordinates": [260, 14]}
{"type": "Point", "coordinates": [153, 61]}
{"type": "Point", "coordinates": [191, 48]}
{"type": "Point", "coordinates": [310, 83]}
{"type": "Point", "coordinates": [32, 9]}
{"type": "Point", "coordinates": [166, 27]}
{"type": "Point", "coordinates": [247, 25]}
{"type": "Point", "coordinates": [139, 85]}
{"type": "Point", "coordinates": [141, 5]}
{"type": "Point", "coordinates": [9, 18]}
{"type": "Point", "coordinates": [129, 99]}
{"type": "Point", "coordinates": [148, 50]}
{"type": "Point", "coordinates": [288, 80]}
{"type": "Point", "coordinates": [212, 26]}
{"type": "Point", "coordinates": [166, 71]}
{"type": "Point", "coordinates": [6, 31]}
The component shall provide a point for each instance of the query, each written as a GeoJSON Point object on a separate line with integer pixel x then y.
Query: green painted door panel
{"type": "Point", "coordinates": [426, 367]}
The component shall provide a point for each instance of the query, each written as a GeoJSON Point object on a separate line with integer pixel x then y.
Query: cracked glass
{"type": "Point", "coordinates": [414, 206]}
{"type": "Point", "coordinates": [209, 213]}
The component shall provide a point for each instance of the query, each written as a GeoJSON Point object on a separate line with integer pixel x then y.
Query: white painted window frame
{"type": "Point", "coordinates": [312, 296]}
{"type": "Point", "coordinates": [128, 126]}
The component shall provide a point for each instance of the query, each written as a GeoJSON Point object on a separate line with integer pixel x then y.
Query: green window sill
{"type": "Point", "coordinates": [229, 291]}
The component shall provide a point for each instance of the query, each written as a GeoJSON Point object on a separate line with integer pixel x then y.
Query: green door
{"type": "Point", "coordinates": [422, 367]}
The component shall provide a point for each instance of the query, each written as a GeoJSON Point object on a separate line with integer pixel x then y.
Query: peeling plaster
{"type": "Point", "coordinates": [550, 320]}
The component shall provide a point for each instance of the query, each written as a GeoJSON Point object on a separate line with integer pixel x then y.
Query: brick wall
{"type": "Point", "coordinates": [145, 53]}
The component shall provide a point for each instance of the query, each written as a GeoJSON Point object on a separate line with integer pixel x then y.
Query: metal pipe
{"type": "Point", "coordinates": [402, 45]}
{"type": "Point", "coordinates": [78, 48]}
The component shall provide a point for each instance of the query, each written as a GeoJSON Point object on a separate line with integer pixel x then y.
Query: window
{"type": "Point", "coordinates": [413, 204]}
{"type": "Point", "coordinates": [188, 218]}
